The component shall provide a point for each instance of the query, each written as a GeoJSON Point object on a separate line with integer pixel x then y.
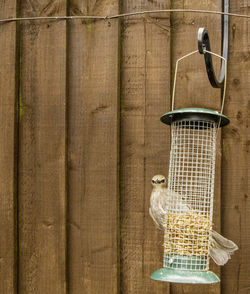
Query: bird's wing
{"type": "Point", "coordinates": [158, 207]}
{"type": "Point", "coordinates": [159, 226]}
{"type": "Point", "coordinates": [163, 203]}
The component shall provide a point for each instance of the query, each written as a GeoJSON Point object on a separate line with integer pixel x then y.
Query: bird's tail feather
{"type": "Point", "coordinates": [222, 248]}
{"type": "Point", "coordinates": [224, 243]}
{"type": "Point", "coordinates": [219, 255]}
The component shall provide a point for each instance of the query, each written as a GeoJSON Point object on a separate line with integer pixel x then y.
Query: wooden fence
{"type": "Point", "coordinates": [80, 139]}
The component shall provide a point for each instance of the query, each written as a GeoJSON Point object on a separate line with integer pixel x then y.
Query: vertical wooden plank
{"type": "Point", "coordinates": [93, 91]}
{"type": "Point", "coordinates": [145, 76]}
{"type": "Point", "coordinates": [42, 161]}
{"type": "Point", "coordinates": [7, 148]}
{"type": "Point", "coordinates": [236, 160]}
{"type": "Point", "coordinates": [194, 90]}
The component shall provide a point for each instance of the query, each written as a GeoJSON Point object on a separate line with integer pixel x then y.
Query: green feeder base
{"type": "Point", "coordinates": [187, 277]}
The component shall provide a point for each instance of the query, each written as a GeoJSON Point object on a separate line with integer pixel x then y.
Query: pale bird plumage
{"type": "Point", "coordinates": [221, 248]}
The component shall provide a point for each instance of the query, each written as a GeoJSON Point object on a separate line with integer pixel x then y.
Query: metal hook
{"type": "Point", "coordinates": [204, 45]}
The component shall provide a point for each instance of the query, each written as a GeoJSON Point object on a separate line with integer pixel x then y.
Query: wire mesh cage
{"type": "Point", "coordinates": [188, 223]}
{"type": "Point", "coordinates": [191, 178]}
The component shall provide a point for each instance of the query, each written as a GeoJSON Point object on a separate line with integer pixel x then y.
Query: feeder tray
{"type": "Point", "coordinates": [195, 275]}
{"type": "Point", "coordinates": [187, 277]}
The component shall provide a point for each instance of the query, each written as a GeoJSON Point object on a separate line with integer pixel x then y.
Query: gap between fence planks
{"type": "Point", "coordinates": [8, 123]}
{"type": "Point", "coordinates": [42, 156]}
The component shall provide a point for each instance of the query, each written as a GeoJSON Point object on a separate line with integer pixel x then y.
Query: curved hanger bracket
{"type": "Point", "coordinates": [204, 44]}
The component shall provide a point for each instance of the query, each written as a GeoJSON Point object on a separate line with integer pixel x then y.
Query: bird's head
{"type": "Point", "coordinates": [159, 181]}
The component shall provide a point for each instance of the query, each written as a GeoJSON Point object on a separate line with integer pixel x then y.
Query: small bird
{"type": "Point", "coordinates": [161, 201]}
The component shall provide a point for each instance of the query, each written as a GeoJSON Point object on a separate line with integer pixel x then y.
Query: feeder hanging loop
{"type": "Point", "coordinates": [205, 52]}
{"type": "Point", "coordinates": [204, 47]}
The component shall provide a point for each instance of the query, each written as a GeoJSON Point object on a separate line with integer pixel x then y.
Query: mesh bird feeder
{"type": "Point", "coordinates": [188, 224]}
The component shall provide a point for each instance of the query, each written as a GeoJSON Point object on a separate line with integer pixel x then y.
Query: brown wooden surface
{"type": "Point", "coordinates": [194, 90]}
{"type": "Point", "coordinates": [93, 88]}
{"type": "Point", "coordinates": [235, 169]}
{"type": "Point", "coordinates": [42, 142]}
{"type": "Point", "coordinates": [145, 96]}
{"type": "Point", "coordinates": [75, 174]}
{"type": "Point", "coordinates": [8, 120]}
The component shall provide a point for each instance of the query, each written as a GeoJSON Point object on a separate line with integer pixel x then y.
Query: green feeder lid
{"type": "Point", "coordinates": [194, 114]}
{"type": "Point", "coordinates": [184, 276]}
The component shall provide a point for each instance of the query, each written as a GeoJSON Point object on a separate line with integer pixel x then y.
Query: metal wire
{"type": "Point", "coordinates": [107, 17]}
{"type": "Point", "coordinates": [191, 185]}
{"type": "Point", "coordinates": [175, 74]}
{"type": "Point", "coordinates": [225, 79]}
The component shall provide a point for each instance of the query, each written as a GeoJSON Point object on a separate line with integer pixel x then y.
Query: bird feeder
{"type": "Point", "coordinates": [188, 224]}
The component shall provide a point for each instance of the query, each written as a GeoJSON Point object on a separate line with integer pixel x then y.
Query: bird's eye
{"type": "Point", "coordinates": [153, 181]}
{"type": "Point", "coordinates": [162, 181]}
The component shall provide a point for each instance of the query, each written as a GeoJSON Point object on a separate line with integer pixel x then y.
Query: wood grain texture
{"type": "Point", "coordinates": [194, 90]}
{"type": "Point", "coordinates": [42, 159]}
{"type": "Point", "coordinates": [8, 120]}
{"type": "Point", "coordinates": [235, 204]}
{"type": "Point", "coordinates": [78, 143]}
{"type": "Point", "coordinates": [145, 96]}
{"type": "Point", "coordinates": [93, 91]}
